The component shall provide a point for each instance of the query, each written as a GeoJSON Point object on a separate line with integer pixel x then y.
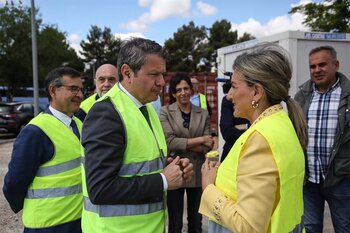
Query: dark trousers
{"type": "Point", "coordinates": [175, 202]}
{"type": "Point", "coordinates": [338, 198]}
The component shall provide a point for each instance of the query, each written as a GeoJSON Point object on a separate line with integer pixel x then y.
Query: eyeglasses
{"type": "Point", "coordinates": [73, 89]}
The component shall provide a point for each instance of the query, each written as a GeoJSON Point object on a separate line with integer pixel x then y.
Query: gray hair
{"type": "Point", "coordinates": [268, 64]}
{"type": "Point", "coordinates": [330, 49]}
{"type": "Point", "coordinates": [133, 52]}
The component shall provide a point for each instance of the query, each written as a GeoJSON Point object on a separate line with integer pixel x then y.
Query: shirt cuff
{"type": "Point", "coordinates": [165, 182]}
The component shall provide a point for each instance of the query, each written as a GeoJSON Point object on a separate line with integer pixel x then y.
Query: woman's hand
{"type": "Point", "coordinates": [208, 141]}
{"type": "Point", "coordinates": [209, 169]}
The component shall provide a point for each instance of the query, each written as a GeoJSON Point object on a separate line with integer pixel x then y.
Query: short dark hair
{"type": "Point", "coordinates": [175, 80]}
{"type": "Point", "coordinates": [54, 77]}
{"type": "Point", "coordinates": [133, 52]}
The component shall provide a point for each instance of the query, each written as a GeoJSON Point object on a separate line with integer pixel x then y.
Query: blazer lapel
{"type": "Point", "coordinates": [175, 111]}
{"type": "Point", "coordinates": [196, 119]}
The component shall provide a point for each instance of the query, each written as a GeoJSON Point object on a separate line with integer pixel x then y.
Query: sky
{"type": "Point", "coordinates": [160, 19]}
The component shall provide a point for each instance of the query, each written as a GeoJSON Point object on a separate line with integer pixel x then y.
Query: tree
{"type": "Point", "coordinates": [186, 48]}
{"type": "Point", "coordinates": [101, 46]}
{"type": "Point", "coordinates": [54, 51]}
{"type": "Point", "coordinates": [221, 35]}
{"type": "Point", "coordinates": [16, 47]}
{"type": "Point", "coordinates": [328, 16]}
{"type": "Point", "coordinates": [193, 49]}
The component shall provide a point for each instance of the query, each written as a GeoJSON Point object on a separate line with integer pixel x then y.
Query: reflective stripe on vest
{"type": "Point", "coordinates": [53, 192]}
{"type": "Point", "coordinates": [55, 169]}
{"type": "Point", "coordinates": [138, 168]}
{"type": "Point", "coordinates": [142, 167]}
{"type": "Point", "coordinates": [122, 210]}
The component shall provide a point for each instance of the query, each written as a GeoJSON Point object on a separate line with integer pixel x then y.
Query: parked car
{"type": "Point", "coordinates": [14, 116]}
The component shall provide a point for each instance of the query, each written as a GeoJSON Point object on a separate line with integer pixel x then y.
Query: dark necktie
{"type": "Point", "coordinates": [75, 128]}
{"type": "Point", "coordinates": [144, 111]}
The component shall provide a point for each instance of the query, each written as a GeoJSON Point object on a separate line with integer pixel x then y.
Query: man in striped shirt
{"type": "Point", "coordinates": [325, 100]}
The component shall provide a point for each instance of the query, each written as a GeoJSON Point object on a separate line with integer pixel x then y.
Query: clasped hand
{"type": "Point", "coordinates": [177, 172]}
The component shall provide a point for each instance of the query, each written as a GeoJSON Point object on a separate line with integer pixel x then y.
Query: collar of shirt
{"type": "Point", "coordinates": [138, 103]}
{"type": "Point", "coordinates": [61, 116]}
{"type": "Point", "coordinates": [196, 96]}
{"type": "Point", "coordinates": [333, 87]}
{"type": "Point", "coordinates": [268, 112]}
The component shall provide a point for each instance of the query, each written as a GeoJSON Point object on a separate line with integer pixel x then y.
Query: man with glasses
{"type": "Point", "coordinates": [44, 174]}
{"type": "Point", "coordinates": [106, 76]}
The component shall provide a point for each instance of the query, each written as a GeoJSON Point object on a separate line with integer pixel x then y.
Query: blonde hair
{"type": "Point", "coordinates": [268, 64]}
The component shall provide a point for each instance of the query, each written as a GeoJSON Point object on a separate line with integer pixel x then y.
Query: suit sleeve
{"type": "Point", "coordinates": [31, 149]}
{"type": "Point", "coordinates": [103, 137]}
{"type": "Point", "coordinates": [257, 185]}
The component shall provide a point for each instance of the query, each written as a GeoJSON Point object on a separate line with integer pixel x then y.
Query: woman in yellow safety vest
{"type": "Point", "coordinates": [258, 187]}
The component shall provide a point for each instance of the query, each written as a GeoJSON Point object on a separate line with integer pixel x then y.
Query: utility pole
{"type": "Point", "coordinates": [35, 61]}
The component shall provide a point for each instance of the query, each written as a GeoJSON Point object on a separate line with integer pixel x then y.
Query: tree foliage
{"type": "Point", "coordinates": [53, 42]}
{"type": "Point", "coordinates": [186, 48]}
{"type": "Point", "coordinates": [193, 48]}
{"type": "Point", "coordinates": [101, 46]}
{"type": "Point", "coordinates": [16, 47]}
{"type": "Point", "coordinates": [328, 16]}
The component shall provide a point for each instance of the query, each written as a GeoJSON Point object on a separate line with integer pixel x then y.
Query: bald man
{"type": "Point", "coordinates": [106, 76]}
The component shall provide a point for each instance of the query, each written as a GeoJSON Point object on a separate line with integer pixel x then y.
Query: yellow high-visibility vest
{"type": "Point", "coordinates": [88, 102]}
{"type": "Point", "coordinates": [144, 155]}
{"type": "Point", "coordinates": [279, 132]}
{"type": "Point", "coordinates": [55, 195]}
{"type": "Point", "coordinates": [203, 101]}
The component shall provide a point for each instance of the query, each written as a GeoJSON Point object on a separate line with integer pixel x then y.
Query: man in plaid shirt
{"type": "Point", "coordinates": [325, 100]}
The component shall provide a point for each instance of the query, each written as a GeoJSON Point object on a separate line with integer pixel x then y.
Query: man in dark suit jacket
{"type": "Point", "coordinates": [109, 136]}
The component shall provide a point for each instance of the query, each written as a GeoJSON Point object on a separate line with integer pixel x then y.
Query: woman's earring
{"type": "Point", "coordinates": [255, 104]}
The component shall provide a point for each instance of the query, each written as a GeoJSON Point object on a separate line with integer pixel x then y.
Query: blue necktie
{"type": "Point", "coordinates": [75, 128]}
{"type": "Point", "coordinates": [144, 111]}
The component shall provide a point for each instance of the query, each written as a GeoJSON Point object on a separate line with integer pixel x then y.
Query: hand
{"type": "Point", "coordinates": [209, 169]}
{"type": "Point", "coordinates": [173, 174]}
{"type": "Point", "coordinates": [187, 169]}
{"type": "Point", "coordinates": [169, 160]}
{"type": "Point", "coordinates": [208, 141]}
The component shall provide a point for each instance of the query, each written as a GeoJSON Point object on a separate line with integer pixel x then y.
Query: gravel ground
{"type": "Point", "coordinates": [9, 222]}
{"type": "Point", "coordinates": [12, 223]}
